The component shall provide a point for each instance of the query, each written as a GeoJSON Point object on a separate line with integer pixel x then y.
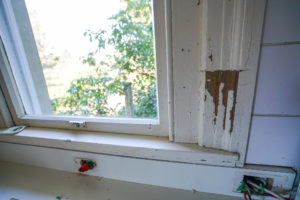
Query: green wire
{"type": "Point", "coordinates": [242, 188]}
{"type": "Point", "coordinates": [91, 164]}
{"type": "Point", "coordinates": [261, 188]}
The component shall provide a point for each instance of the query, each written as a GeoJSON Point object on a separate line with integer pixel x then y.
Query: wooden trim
{"type": "Point", "coordinates": [9, 88]}
{"type": "Point", "coordinates": [6, 120]}
{"type": "Point", "coordinates": [147, 147]}
{"type": "Point", "coordinates": [186, 56]}
{"type": "Point", "coordinates": [32, 67]}
{"type": "Point", "coordinates": [169, 55]}
{"type": "Point", "coordinates": [98, 124]}
{"type": "Point", "coordinates": [18, 68]}
{"type": "Point", "coordinates": [216, 53]}
{"type": "Point", "coordinates": [200, 178]}
{"type": "Point", "coordinates": [17, 59]}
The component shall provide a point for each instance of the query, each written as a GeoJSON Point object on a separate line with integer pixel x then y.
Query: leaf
{"type": "Point", "coordinates": [131, 60]}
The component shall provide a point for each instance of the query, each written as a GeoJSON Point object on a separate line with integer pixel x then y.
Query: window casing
{"type": "Point", "coordinates": [25, 69]}
{"type": "Point", "coordinates": [203, 42]}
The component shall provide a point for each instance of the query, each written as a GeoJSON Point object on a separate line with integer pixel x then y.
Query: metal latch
{"type": "Point", "coordinates": [78, 124]}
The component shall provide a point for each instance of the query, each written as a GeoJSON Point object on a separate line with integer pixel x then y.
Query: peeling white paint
{"type": "Point", "coordinates": [226, 35]}
{"type": "Point", "coordinates": [226, 137]}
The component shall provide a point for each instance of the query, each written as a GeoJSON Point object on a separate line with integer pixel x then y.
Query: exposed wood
{"type": "Point", "coordinates": [234, 43]}
{"type": "Point", "coordinates": [208, 37]}
{"type": "Point", "coordinates": [129, 109]}
{"type": "Point", "coordinates": [215, 54]}
{"type": "Point", "coordinates": [228, 80]}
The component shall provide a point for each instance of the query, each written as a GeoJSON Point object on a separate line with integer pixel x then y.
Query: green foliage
{"type": "Point", "coordinates": [131, 61]}
{"type": "Point", "coordinates": [49, 60]}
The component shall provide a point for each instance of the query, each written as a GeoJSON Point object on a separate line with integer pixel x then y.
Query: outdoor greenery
{"type": "Point", "coordinates": [127, 72]}
{"type": "Point", "coordinates": [48, 59]}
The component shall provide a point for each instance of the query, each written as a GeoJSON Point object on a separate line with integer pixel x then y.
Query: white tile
{"type": "Point", "coordinates": [282, 21]}
{"type": "Point", "coordinates": [274, 141]}
{"type": "Point", "coordinates": [278, 85]}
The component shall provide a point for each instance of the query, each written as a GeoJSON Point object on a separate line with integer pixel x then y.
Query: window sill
{"type": "Point", "coordinates": [146, 147]}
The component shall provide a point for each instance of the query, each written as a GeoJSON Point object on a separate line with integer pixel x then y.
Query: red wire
{"type": "Point", "coordinates": [276, 197]}
{"type": "Point", "coordinates": [245, 196]}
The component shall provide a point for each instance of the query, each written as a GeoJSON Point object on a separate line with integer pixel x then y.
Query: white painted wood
{"type": "Point", "coordinates": [161, 69]}
{"type": "Point", "coordinates": [274, 141]}
{"type": "Point", "coordinates": [282, 22]}
{"type": "Point", "coordinates": [169, 56]}
{"type": "Point", "coordinates": [9, 87]}
{"type": "Point", "coordinates": [17, 59]}
{"type": "Point", "coordinates": [186, 55]}
{"type": "Point", "coordinates": [5, 117]}
{"type": "Point", "coordinates": [10, 22]}
{"type": "Point", "coordinates": [32, 57]}
{"type": "Point", "coordinates": [103, 124]}
{"type": "Point", "coordinates": [231, 44]}
{"type": "Point", "coordinates": [211, 179]}
{"type": "Point", "coordinates": [47, 184]}
{"type": "Point", "coordinates": [223, 34]}
{"type": "Point", "coordinates": [122, 145]}
{"type": "Point", "coordinates": [277, 91]}
{"type": "Point", "coordinates": [215, 36]}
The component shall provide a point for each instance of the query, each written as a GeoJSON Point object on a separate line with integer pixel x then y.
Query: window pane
{"type": "Point", "coordinates": [97, 56]}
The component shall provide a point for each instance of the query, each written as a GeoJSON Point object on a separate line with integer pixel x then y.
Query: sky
{"type": "Point", "coordinates": [63, 22]}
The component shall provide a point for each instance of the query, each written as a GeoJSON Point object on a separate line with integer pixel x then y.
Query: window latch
{"type": "Point", "coordinates": [78, 124]}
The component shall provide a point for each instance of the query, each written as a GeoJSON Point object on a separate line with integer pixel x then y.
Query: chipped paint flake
{"type": "Point", "coordinates": [229, 82]}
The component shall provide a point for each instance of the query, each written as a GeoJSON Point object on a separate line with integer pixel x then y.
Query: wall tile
{"type": "Point", "coordinates": [275, 141]}
{"type": "Point", "coordinates": [278, 85]}
{"type": "Point", "coordinates": [282, 21]}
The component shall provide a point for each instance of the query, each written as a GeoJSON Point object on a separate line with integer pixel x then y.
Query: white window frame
{"type": "Point", "coordinates": [198, 38]}
{"type": "Point", "coordinates": [20, 69]}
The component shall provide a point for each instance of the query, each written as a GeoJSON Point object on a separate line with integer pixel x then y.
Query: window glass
{"type": "Point", "coordinates": [97, 56]}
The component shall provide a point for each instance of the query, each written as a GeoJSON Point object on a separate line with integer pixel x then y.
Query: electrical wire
{"type": "Point", "coordinates": [273, 194]}
{"type": "Point", "coordinates": [245, 196]}
{"type": "Point", "coordinates": [248, 191]}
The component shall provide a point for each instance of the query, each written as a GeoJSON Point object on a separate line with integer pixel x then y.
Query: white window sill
{"type": "Point", "coordinates": [146, 147]}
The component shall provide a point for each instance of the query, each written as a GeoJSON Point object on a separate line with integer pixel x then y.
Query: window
{"type": "Point", "coordinates": [206, 58]}
{"type": "Point", "coordinates": [99, 70]}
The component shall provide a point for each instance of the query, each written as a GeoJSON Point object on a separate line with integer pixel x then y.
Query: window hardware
{"type": "Point", "coordinates": [78, 124]}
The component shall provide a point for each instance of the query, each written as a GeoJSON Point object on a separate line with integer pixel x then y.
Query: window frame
{"type": "Point", "coordinates": [12, 42]}
{"type": "Point", "coordinates": [191, 55]}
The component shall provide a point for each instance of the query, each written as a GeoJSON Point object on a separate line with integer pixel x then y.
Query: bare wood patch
{"type": "Point", "coordinates": [229, 80]}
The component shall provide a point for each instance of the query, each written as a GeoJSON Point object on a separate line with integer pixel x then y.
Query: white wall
{"type": "Point", "coordinates": [14, 184]}
{"type": "Point", "coordinates": [275, 129]}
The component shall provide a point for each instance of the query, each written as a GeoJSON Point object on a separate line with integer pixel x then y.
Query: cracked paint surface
{"type": "Point", "coordinates": [229, 82]}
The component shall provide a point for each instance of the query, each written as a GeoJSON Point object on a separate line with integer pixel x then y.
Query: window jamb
{"type": "Point", "coordinates": [158, 126]}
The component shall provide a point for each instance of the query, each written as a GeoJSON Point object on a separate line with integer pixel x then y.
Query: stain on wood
{"type": "Point", "coordinates": [229, 80]}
